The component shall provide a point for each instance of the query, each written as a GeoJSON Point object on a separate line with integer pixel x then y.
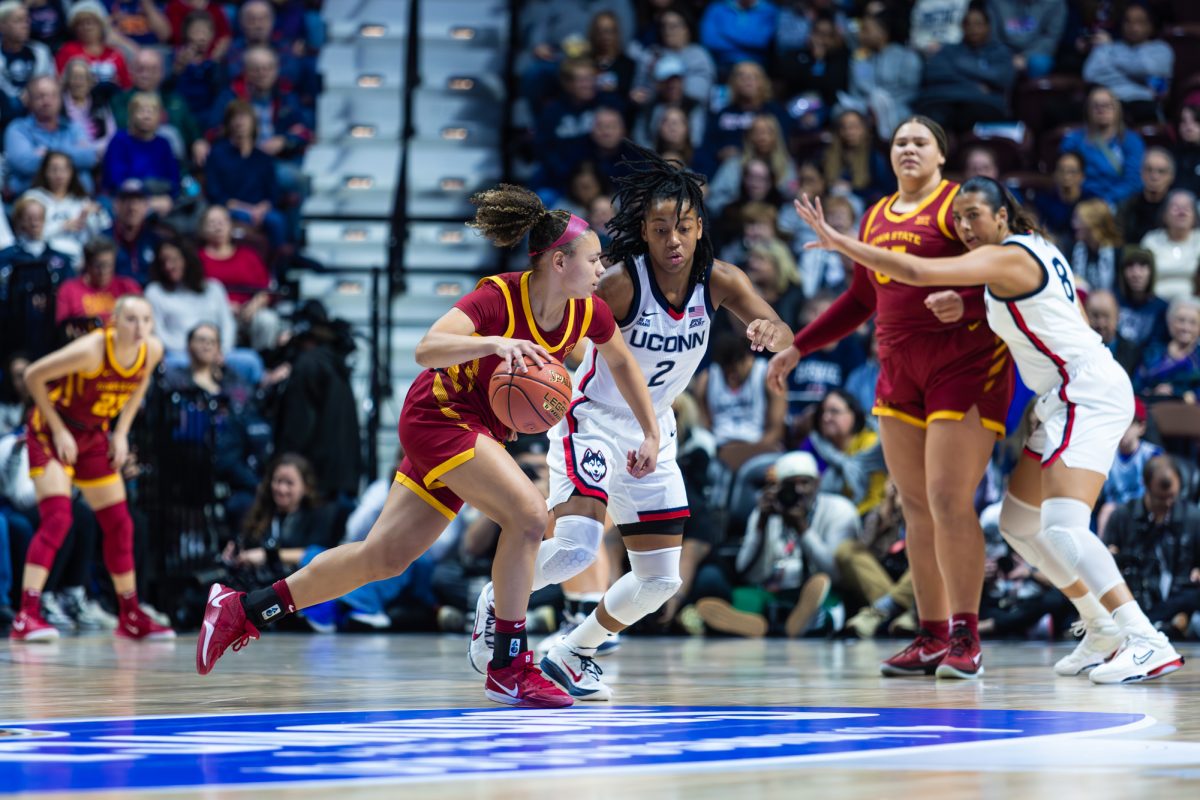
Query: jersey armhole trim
{"type": "Point", "coordinates": [512, 317]}
{"type": "Point", "coordinates": [707, 290]}
{"type": "Point", "coordinates": [635, 304]}
{"type": "Point", "coordinates": [942, 222]}
{"type": "Point", "coordinates": [1026, 295]}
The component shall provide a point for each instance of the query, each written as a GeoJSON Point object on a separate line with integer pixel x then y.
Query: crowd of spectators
{"type": "Point", "coordinates": [154, 147]}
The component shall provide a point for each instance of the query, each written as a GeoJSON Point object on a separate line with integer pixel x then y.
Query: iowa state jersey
{"type": "Point", "coordinates": [90, 400]}
{"type": "Point", "coordinates": [500, 306]}
{"type": "Point", "coordinates": [668, 342]}
{"type": "Point", "coordinates": [926, 231]}
{"type": "Point", "coordinates": [1044, 329]}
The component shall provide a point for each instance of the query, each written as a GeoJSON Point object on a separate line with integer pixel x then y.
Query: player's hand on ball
{"type": "Point", "coordinates": [947, 305]}
{"type": "Point", "coordinates": [514, 351]}
{"type": "Point", "coordinates": [644, 461]}
{"type": "Point", "coordinates": [779, 367]}
{"type": "Point", "coordinates": [64, 445]}
{"type": "Point", "coordinates": [762, 334]}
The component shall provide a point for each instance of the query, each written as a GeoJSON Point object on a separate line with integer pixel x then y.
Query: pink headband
{"type": "Point", "coordinates": [574, 228]}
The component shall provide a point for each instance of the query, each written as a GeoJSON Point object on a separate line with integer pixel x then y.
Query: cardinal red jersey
{"type": "Point", "coordinates": [90, 400]}
{"type": "Point", "coordinates": [926, 231]}
{"type": "Point", "coordinates": [87, 403]}
{"type": "Point", "coordinates": [446, 409]}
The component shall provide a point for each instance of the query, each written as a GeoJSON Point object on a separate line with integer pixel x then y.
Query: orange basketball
{"type": "Point", "coordinates": [533, 401]}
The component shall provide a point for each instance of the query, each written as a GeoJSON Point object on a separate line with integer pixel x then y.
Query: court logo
{"type": "Point", "coordinates": [442, 744]}
{"type": "Point", "coordinates": [594, 465]}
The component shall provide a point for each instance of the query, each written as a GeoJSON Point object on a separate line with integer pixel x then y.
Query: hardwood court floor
{"type": "Point", "coordinates": [99, 677]}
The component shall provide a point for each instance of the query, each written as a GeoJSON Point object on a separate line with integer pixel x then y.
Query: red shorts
{"type": "Point", "coordinates": [91, 464]}
{"type": "Point", "coordinates": [942, 375]}
{"type": "Point", "coordinates": [434, 445]}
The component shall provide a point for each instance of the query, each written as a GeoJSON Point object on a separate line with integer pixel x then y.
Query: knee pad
{"type": "Point", "coordinates": [572, 550]}
{"type": "Point", "coordinates": [1068, 524]}
{"type": "Point", "coordinates": [1021, 527]}
{"type": "Point", "coordinates": [117, 528]}
{"type": "Point", "coordinates": [53, 527]}
{"type": "Point", "coordinates": [652, 581]}
{"type": "Point", "coordinates": [1061, 518]}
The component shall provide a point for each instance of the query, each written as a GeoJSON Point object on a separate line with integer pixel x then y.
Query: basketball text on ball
{"type": "Point", "coordinates": [554, 405]}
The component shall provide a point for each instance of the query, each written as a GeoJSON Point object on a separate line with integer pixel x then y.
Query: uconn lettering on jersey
{"type": "Point", "coordinates": [658, 343]}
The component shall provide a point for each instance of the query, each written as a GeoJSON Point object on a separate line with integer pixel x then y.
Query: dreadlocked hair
{"type": "Point", "coordinates": [506, 213]}
{"type": "Point", "coordinates": [652, 178]}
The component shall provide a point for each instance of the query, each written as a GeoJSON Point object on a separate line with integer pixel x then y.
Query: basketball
{"type": "Point", "coordinates": [533, 401]}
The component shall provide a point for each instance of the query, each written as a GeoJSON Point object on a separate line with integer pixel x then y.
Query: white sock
{"type": "Point", "coordinates": [1131, 618]}
{"type": "Point", "coordinates": [1090, 610]}
{"type": "Point", "coordinates": [588, 636]}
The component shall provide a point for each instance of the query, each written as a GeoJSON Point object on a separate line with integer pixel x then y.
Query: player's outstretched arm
{"type": "Point", "coordinates": [452, 340]}
{"type": "Point", "coordinates": [732, 289]}
{"type": "Point", "coordinates": [632, 385]}
{"type": "Point", "coordinates": [990, 264]}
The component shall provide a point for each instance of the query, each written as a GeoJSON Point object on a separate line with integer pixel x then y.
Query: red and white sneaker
{"type": "Point", "coordinates": [522, 684]}
{"type": "Point", "coordinates": [965, 660]}
{"type": "Point", "coordinates": [919, 658]}
{"type": "Point", "coordinates": [137, 624]}
{"type": "Point", "coordinates": [224, 624]}
{"type": "Point", "coordinates": [28, 627]}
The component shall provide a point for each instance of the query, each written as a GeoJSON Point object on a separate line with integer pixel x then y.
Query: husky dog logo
{"type": "Point", "coordinates": [593, 464]}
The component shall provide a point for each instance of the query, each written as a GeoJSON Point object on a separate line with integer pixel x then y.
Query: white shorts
{"type": "Point", "coordinates": [1083, 419]}
{"type": "Point", "coordinates": [588, 455]}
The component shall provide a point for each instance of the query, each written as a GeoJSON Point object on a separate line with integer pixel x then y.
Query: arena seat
{"type": "Point", "coordinates": [363, 63]}
{"type": "Point", "coordinates": [442, 176]}
{"type": "Point", "coordinates": [360, 114]}
{"type": "Point", "coordinates": [370, 19]}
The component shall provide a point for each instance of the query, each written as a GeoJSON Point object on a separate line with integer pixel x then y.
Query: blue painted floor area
{"type": "Point", "coordinates": [405, 745]}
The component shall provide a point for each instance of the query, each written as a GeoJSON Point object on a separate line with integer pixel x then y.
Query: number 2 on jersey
{"type": "Point", "coordinates": [663, 368]}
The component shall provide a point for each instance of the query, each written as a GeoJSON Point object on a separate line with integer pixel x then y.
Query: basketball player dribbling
{"type": "Point", "coordinates": [664, 288]}
{"type": "Point", "coordinates": [78, 392]}
{"type": "Point", "coordinates": [944, 387]}
{"type": "Point", "coordinates": [453, 442]}
{"type": "Point", "coordinates": [1085, 403]}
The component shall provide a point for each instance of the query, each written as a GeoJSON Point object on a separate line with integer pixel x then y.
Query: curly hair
{"type": "Point", "coordinates": [652, 178]}
{"type": "Point", "coordinates": [507, 213]}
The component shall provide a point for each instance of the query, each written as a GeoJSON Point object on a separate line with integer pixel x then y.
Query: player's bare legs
{"type": "Point", "coordinates": [904, 452]}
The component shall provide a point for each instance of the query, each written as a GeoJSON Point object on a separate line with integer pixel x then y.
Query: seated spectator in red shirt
{"type": "Point", "coordinates": [94, 294]}
{"type": "Point", "coordinates": [89, 30]}
{"type": "Point", "coordinates": [238, 267]}
{"type": "Point", "coordinates": [179, 10]}
{"type": "Point", "coordinates": [141, 153]}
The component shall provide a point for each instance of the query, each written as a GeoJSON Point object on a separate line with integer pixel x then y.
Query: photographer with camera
{"type": "Point", "coordinates": [788, 552]}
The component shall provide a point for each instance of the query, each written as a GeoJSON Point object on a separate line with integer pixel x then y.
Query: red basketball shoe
{"type": "Point", "coordinates": [522, 684]}
{"type": "Point", "coordinates": [964, 660]}
{"type": "Point", "coordinates": [28, 627]}
{"type": "Point", "coordinates": [919, 658]}
{"type": "Point", "coordinates": [137, 625]}
{"type": "Point", "coordinates": [224, 624]}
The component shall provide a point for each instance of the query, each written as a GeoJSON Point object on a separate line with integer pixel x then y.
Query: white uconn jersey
{"type": "Point", "coordinates": [668, 343]}
{"type": "Point", "coordinates": [1044, 329]}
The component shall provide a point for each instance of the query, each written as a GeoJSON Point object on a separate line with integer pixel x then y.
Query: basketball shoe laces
{"type": "Point", "coordinates": [589, 665]}
{"type": "Point", "coordinates": [960, 641]}
{"type": "Point", "coordinates": [918, 644]}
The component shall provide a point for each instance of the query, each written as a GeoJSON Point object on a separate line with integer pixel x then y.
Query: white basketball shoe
{"type": "Point", "coordinates": [577, 674]}
{"type": "Point", "coordinates": [483, 635]}
{"type": "Point", "coordinates": [1100, 640]}
{"type": "Point", "coordinates": [1143, 657]}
